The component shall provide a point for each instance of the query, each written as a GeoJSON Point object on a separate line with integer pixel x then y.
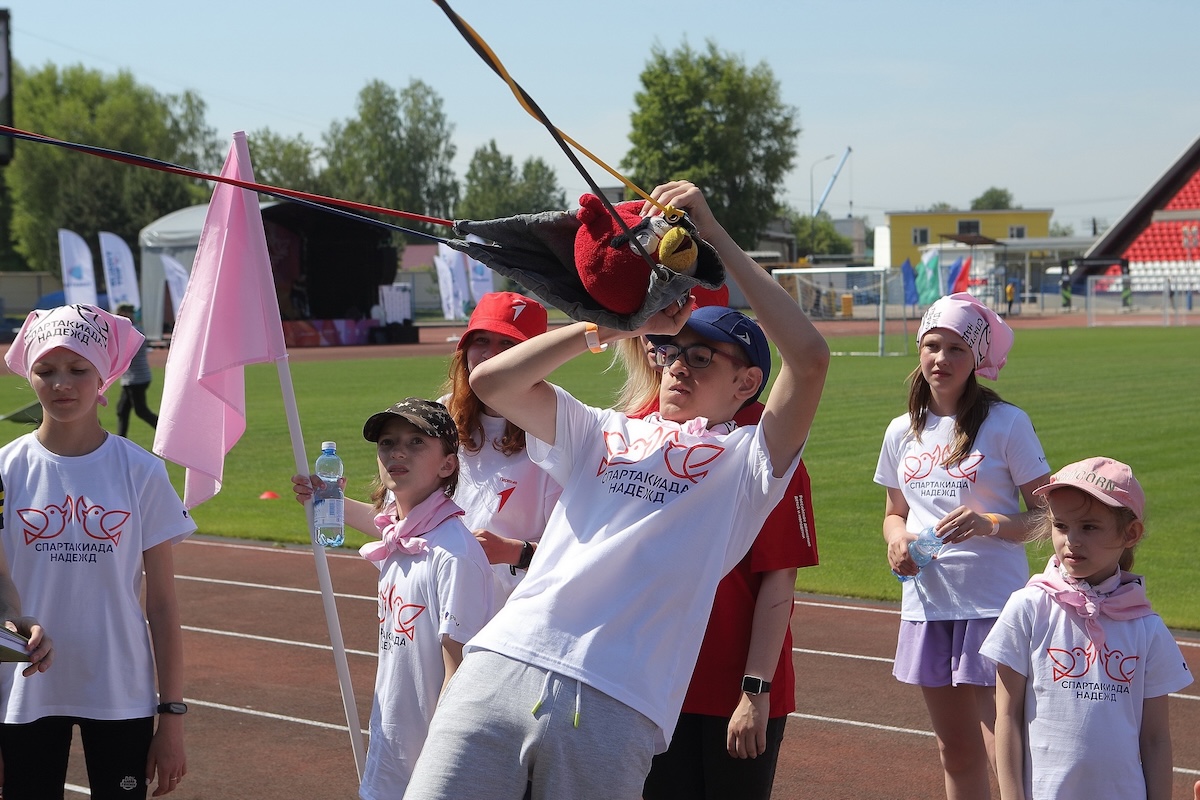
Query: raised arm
{"type": "Point", "coordinates": [792, 402]}
{"type": "Point", "coordinates": [513, 382]}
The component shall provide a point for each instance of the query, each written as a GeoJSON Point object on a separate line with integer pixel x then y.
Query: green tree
{"type": "Point", "coordinates": [706, 117]}
{"type": "Point", "coordinates": [288, 163]}
{"type": "Point", "coordinates": [821, 239]}
{"type": "Point", "coordinates": [396, 153]}
{"type": "Point", "coordinates": [52, 188]}
{"type": "Point", "coordinates": [994, 199]}
{"type": "Point", "coordinates": [493, 189]}
{"type": "Point", "coordinates": [941, 205]}
{"type": "Point", "coordinates": [1061, 229]}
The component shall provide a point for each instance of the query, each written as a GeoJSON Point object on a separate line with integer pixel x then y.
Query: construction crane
{"type": "Point", "coordinates": [829, 186]}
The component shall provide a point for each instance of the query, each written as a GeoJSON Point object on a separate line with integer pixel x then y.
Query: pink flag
{"type": "Point", "coordinates": [962, 280]}
{"type": "Point", "coordinates": [229, 317]}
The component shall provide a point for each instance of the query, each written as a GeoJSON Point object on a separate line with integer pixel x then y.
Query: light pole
{"type": "Point", "coordinates": [812, 223]}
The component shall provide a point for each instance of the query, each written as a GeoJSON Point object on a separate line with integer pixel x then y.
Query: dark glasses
{"type": "Point", "coordinates": [696, 356]}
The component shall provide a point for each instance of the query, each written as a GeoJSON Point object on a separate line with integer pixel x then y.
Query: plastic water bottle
{"type": "Point", "coordinates": [328, 506]}
{"type": "Point", "coordinates": [922, 550]}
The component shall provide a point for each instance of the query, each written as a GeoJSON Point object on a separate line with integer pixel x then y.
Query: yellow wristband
{"type": "Point", "coordinates": [591, 335]}
{"type": "Point", "coordinates": [995, 523]}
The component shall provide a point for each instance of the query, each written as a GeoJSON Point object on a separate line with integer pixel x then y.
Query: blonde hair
{"type": "Point", "coordinates": [1041, 525]}
{"type": "Point", "coordinates": [642, 381]}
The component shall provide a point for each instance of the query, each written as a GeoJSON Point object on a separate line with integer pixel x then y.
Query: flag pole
{"type": "Point", "coordinates": [322, 565]}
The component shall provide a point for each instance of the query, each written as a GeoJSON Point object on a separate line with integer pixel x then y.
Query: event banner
{"type": "Point", "coordinates": [177, 281]}
{"type": "Point", "coordinates": [120, 276]}
{"type": "Point", "coordinates": [452, 282]}
{"type": "Point", "coordinates": [78, 274]}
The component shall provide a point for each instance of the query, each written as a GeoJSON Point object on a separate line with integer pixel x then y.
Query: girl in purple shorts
{"type": "Point", "coordinates": [961, 459]}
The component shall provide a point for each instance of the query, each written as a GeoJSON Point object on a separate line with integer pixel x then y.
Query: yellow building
{"type": "Point", "coordinates": [913, 230]}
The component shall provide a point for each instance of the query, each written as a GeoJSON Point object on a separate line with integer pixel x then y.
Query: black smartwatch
{"type": "Point", "coordinates": [753, 685]}
{"type": "Point", "coordinates": [172, 708]}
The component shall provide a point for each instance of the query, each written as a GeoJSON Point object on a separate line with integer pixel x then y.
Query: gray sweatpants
{"type": "Point", "coordinates": [503, 723]}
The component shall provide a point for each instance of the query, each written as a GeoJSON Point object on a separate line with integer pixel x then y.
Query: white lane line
{"type": "Point", "coordinates": [272, 587]}
{"type": "Point", "coordinates": [268, 715]}
{"type": "Point", "coordinates": [856, 724]}
{"type": "Point", "coordinates": [833, 654]}
{"type": "Point", "coordinates": [273, 640]}
{"type": "Point", "coordinates": [291, 549]}
{"type": "Point", "coordinates": [844, 607]}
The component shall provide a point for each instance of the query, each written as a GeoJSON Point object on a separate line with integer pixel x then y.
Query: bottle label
{"type": "Point", "coordinates": [328, 513]}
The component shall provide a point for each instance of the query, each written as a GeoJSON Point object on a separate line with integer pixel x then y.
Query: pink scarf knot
{"type": "Point", "coordinates": [1123, 596]}
{"type": "Point", "coordinates": [405, 534]}
{"type": "Point", "coordinates": [697, 426]}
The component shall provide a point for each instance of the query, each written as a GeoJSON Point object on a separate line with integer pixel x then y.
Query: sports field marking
{"type": "Point", "coordinates": [268, 715]}
{"type": "Point", "coordinates": [833, 654]}
{"type": "Point", "coordinates": [270, 586]}
{"type": "Point", "coordinates": [273, 640]}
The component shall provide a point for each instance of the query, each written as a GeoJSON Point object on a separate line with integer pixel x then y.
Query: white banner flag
{"type": "Point", "coordinates": [78, 274]}
{"type": "Point", "coordinates": [177, 281]}
{"type": "Point", "coordinates": [481, 276]}
{"type": "Point", "coordinates": [452, 281]}
{"type": "Point", "coordinates": [119, 274]}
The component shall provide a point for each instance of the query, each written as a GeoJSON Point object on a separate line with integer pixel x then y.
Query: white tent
{"type": "Point", "coordinates": [175, 235]}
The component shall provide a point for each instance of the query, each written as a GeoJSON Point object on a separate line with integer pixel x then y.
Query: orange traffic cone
{"type": "Point", "coordinates": [268, 496]}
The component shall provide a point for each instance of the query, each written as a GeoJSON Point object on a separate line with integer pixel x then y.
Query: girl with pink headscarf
{"type": "Point", "coordinates": [960, 460]}
{"type": "Point", "coordinates": [86, 515]}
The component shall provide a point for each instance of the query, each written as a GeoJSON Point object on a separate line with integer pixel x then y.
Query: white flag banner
{"type": "Point", "coordinates": [482, 277]}
{"type": "Point", "coordinates": [78, 274]}
{"type": "Point", "coordinates": [177, 281]}
{"type": "Point", "coordinates": [452, 281]}
{"type": "Point", "coordinates": [119, 274]}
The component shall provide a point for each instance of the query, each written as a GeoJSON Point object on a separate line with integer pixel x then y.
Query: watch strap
{"type": "Point", "coordinates": [172, 708]}
{"type": "Point", "coordinates": [591, 335]}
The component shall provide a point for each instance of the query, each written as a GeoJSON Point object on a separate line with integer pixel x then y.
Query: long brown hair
{"type": "Point", "coordinates": [466, 409]}
{"type": "Point", "coordinates": [973, 407]}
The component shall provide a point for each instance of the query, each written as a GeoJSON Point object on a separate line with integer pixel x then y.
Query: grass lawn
{"type": "Point", "coordinates": [1129, 393]}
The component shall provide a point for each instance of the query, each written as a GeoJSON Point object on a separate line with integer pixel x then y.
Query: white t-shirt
{"type": "Point", "coordinates": [445, 591]}
{"type": "Point", "coordinates": [1083, 710]}
{"type": "Point", "coordinates": [649, 521]}
{"type": "Point", "coordinates": [74, 532]}
{"type": "Point", "coordinates": [971, 579]}
{"type": "Point", "coordinates": [509, 495]}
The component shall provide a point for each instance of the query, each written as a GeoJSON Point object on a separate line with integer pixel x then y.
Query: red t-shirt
{"type": "Point", "coordinates": [788, 539]}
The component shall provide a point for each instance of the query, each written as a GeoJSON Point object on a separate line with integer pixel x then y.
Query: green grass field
{"type": "Point", "coordinates": [1127, 393]}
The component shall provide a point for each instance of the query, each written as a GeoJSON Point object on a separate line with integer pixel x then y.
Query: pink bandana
{"type": "Point", "coordinates": [697, 426]}
{"type": "Point", "coordinates": [1120, 597]}
{"type": "Point", "coordinates": [405, 534]}
{"type": "Point", "coordinates": [988, 336]}
{"type": "Point", "coordinates": [108, 342]}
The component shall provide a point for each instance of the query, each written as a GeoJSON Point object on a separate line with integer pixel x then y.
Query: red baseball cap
{"type": "Point", "coordinates": [506, 314]}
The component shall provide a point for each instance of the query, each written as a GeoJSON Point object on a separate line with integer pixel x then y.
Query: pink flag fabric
{"type": "Point", "coordinates": [229, 318]}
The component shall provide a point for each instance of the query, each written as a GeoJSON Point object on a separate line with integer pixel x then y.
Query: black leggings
{"type": "Point", "coordinates": [698, 767]}
{"type": "Point", "coordinates": [36, 753]}
{"type": "Point", "coordinates": [134, 396]}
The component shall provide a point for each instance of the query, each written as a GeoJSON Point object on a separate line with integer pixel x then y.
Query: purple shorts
{"type": "Point", "coordinates": [944, 653]}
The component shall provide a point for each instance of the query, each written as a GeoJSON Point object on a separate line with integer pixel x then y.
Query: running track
{"type": "Point", "coordinates": [266, 718]}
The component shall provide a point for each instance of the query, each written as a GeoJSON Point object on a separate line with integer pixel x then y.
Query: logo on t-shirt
{"type": "Point", "coordinates": [397, 619]}
{"type": "Point", "coordinates": [689, 462]}
{"type": "Point", "coordinates": [920, 466]}
{"type": "Point", "coordinates": [96, 521]}
{"type": "Point", "coordinates": [1077, 662]}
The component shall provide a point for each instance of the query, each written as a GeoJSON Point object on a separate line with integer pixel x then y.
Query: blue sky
{"type": "Point", "coordinates": [1074, 105]}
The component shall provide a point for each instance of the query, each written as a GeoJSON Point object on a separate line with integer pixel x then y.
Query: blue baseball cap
{"type": "Point", "coordinates": [723, 324]}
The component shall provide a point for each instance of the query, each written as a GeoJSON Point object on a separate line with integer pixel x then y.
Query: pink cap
{"type": "Point", "coordinates": [507, 314]}
{"type": "Point", "coordinates": [1109, 481]}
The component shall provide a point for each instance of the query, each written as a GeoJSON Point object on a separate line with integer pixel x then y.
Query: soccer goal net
{"type": "Point", "coordinates": [854, 297]}
{"type": "Point", "coordinates": [1125, 300]}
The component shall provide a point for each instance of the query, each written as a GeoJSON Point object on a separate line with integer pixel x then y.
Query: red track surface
{"type": "Point", "coordinates": [267, 721]}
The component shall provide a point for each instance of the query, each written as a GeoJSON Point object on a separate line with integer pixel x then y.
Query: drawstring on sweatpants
{"type": "Point", "coordinates": [546, 693]}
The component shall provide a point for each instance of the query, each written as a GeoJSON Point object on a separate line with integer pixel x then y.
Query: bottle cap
{"type": "Point", "coordinates": [328, 446]}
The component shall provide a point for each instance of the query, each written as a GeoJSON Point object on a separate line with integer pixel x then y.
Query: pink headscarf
{"type": "Point", "coordinates": [108, 342]}
{"type": "Point", "coordinates": [1123, 596]}
{"type": "Point", "coordinates": [988, 336]}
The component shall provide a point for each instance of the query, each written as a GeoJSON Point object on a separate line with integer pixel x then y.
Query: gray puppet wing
{"type": "Point", "coordinates": [538, 252]}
